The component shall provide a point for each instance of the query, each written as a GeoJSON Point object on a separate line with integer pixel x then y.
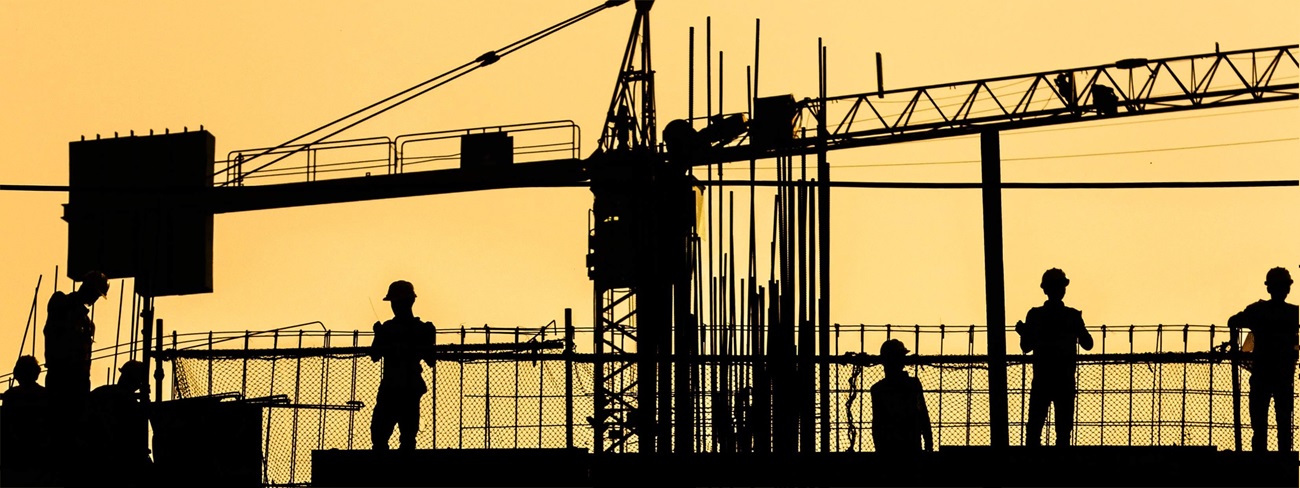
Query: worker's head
{"type": "Point", "coordinates": [892, 352]}
{"type": "Point", "coordinates": [134, 374]}
{"type": "Point", "coordinates": [1278, 281]}
{"type": "Point", "coordinates": [94, 285]}
{"type": "Point", "coordinates": [401, 295]}
{"type": "Point", "coordinates": [26, 370]}
{"type": "Point", "coordinates": [1054, 283]}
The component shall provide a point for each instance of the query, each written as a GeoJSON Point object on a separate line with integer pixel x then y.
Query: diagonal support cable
{"type": "Point", "coordinates": [423, 87]}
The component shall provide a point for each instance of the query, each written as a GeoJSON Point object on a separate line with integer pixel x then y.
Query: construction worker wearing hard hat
{"type": "Point", "coordinates": [117, 428]}
{"type": "Point", "coordinates": [1275, 324]}
{"type": "Point", "coordinates": [401, 342]}
{"type": "Point", "coordinates": [69, 334]}
{"type": "Point", "coordinates": [900, 420]}
{"type": "Point", "coordinates": [1052, 332]}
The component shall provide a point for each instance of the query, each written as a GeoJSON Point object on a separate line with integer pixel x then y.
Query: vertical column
{"type": "Point", "coordinates": [824, 257]}
{"type": "Point", "coordinates": [157, 358]}
{"type": "Point", "coordinates": [568, 378]}
{"type": "Point", "coordinates": [994, 291]}
{"type": "Point", "coordinates": [685, 333]}
{"type": "Point", "coordinates": [598, 373]}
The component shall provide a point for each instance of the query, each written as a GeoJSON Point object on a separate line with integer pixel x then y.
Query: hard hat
{"type": "Point", "coordinates": [1278, 275]}
{"type": "Point", "coordinates": [96, 281]}
{"type": "Point", "coordinates": [27, 365]}
{"type": "Point", "coordinates": [1054, 276]}
{"type": "Point", "coordinates": [400, 289]}
{"type": "Point", "coordinates": [893, 347]}
{"type": "Point", "coordinates": [134, 367]}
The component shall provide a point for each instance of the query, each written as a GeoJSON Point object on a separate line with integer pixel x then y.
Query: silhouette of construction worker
{"type": "Point", "coordinates": [402, 343]}
{"type": "Point", "coordinates": [69, 333]}
{"type": "Point", "coordinates": [1275, 324]}
{"type": "Point", "coordinates": [1051, 333]}
{"type": "Point", "coordinates": [118, 429]}
{"type": "Point", "coordinates": [900, 420]}
{"type": "Point", "coordinates": [23, 440]}
{"type": "Point", "coordinates": [623, 126]}
{"type": "Point", "coordinates": [1065, 84]}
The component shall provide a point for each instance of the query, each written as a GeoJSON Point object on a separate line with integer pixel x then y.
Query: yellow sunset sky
{"type": "Point", "coordinates": [256, 74]}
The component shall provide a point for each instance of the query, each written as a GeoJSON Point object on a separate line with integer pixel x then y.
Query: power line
{"type": "Point", "coordinates": [64, 188]}
{"type": "Point", "coordinates": [1110, 153]}
{"type": "Point", "coordinates": [1045, 185]}
{"type": "Point", "coordinates": [1064, 156]}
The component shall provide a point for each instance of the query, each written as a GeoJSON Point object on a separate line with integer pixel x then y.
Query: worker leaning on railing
{"type": "Point", "coordinates": [1274, 323]}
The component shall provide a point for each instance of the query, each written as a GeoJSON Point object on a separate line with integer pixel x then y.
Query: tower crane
{"type": "Point", "coordinates": [643, 240]}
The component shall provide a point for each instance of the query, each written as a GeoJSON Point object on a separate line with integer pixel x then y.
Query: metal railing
{"type": "Point", "coordinates": [538, 141]}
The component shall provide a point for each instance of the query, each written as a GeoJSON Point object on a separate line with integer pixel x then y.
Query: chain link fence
{"type": "Point", "coordinates": [319, 390]}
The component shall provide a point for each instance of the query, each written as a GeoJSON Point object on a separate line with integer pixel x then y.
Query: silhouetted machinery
{"type": "Point", "coordinates": [143, 206]}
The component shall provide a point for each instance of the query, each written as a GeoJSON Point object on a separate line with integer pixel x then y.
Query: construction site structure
{"type": "Point", "coordinates": [652, 320]}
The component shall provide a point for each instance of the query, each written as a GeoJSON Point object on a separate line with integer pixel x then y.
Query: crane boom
{"type": "Point", "coordinates": [1052, 97]}
{"type": "Point", "coordinates": [1266, 75]}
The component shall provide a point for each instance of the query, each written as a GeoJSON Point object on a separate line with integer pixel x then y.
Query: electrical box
{"type": "Point", "coordinates": [486, 150]}
{"type": "Point", "coordinates": [775, 121]}
{"type": "Point", "coordinates": [136, 208]}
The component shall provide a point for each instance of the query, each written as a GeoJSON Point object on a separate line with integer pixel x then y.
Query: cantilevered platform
{"type": "Point", "coordinates": [1080, 466]}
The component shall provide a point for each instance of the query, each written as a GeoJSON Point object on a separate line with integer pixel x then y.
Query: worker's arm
{"type": "Point", "coordinates": [377, 344]}
{"type": "Point", "coordinates": [431, 332]}
{"type": "Point", "coordinates": [1240, 320]}
{"type": "Point", "coordinates": [926, 433]}
{"type": "Point", "coordinates": [1027, 330]}
{"type": "Point", "coordinates": [1085, 338]}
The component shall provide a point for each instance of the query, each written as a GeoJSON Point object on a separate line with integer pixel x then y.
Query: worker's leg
{"type": "Point", "coordinates": [1064, 400]}
{"type": "Point", "coordinates": [1259, 397]}
{"type": "Point", "coordinates": [408, 421]}
{"type": "Point", "coordinates": [1283, 406]}
{"type": "Point", "coordinates": [381, 424]}
{"type": "Point", "coordinates": [1038, 401]}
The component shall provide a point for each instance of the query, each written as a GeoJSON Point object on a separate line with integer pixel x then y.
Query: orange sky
{"type": "Point", "coordinates": [256, 74]}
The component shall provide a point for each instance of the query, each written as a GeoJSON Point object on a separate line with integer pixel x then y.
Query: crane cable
{"type": "Point", "coordinates": [442, 79]}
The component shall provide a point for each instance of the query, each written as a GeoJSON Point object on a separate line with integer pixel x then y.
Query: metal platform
{"type": "Point", "coordinates": [1079, 466]}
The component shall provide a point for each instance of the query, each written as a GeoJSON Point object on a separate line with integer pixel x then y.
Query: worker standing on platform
{"type": "Point", "coordinates": [1275, 324]}
{"type": "Point", "coordinates": [900, 419]}
{"type": "Point", "coordinates": [402, 343]}
{"type": "Point", "coordinates": [69, 334]}
{"type": "Point", "coordinates": [1051, 332]}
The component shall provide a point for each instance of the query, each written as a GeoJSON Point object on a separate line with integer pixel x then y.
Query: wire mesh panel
{"type": "Point", "coordinates": [472, 404]}
{"type": "Point", "coordinates": [323, 397]}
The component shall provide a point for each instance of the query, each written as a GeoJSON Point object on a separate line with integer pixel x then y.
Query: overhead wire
{"type": "Point", "coordinates": [1082, 155]}
{"type": "Point", "coordinates": [1061, 156]}
{"type": "Point", "coordinates": [62, 188]}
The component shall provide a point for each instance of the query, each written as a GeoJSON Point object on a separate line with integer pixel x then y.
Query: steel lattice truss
{"type": "Point", "coordinates": [1125, 88]}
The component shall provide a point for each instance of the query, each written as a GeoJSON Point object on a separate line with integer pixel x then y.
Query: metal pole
{"type": "Point", "coordinates": [173, 395]}
{"type": "Point", "coordinates": [146, 331]}
{"type": "Point", "coordinates": [1236, 386]}
{"type": "Point", "coordinates": [995, 306]}
{"type": "Point", "coordinates": [157, 362]}
{"type": "Point", "coordinates": [568, 378]}
{"type": "Point", "coordinates": [824, 253]}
